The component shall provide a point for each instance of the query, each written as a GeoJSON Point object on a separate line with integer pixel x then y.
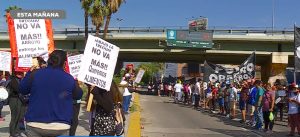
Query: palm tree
{"type": "Point", "coordinates": [85, 5]}
{"type": "Point", "coordinates": [113, 6]}
{"type": "Point", "coordinates": [97, 13]}
{"type": "Point", "coordinates": [11, 8]}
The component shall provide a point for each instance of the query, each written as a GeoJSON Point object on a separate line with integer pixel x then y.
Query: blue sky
{"type": "Point", "coordinates": [153, 13]}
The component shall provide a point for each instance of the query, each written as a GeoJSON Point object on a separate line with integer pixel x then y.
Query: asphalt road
{"type": "Point", "coordinates": [160, 117]}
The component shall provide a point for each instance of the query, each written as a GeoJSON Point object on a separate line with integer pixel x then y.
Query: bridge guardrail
{"type": "Point", "coordinates": [149, 30]}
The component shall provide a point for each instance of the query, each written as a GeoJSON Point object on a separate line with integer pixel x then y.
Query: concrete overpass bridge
{"type": "Point", "coordinates": [231, 46]}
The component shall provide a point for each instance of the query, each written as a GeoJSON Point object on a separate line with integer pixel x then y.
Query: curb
{"type": "Point", "coordinates": [134, 128]}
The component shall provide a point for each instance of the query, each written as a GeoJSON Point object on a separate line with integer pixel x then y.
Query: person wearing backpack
{"type": "Point", "coordinates": [268, 107]}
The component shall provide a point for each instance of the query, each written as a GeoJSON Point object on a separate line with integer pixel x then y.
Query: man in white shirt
{"type": "Point", "coordinates": [197, 92]}
{"type": "Point", "coordinates": [178, 86]}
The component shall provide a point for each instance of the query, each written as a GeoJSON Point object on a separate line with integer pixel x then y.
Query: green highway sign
{"type": "Point", "coordinates": [186, 39]}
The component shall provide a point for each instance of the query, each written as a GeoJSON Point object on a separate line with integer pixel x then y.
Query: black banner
{"type": "Point", "coordinates": [297, 49]}
{"type": "Point", "coordinates": [217, 73]}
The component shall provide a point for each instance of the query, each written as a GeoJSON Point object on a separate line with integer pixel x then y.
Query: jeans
{"type": "Point", "coordinates": [259, 118]}
{"type": "Point", "coordinates": [193, 98]}
{"type": "Point", "coordinates": [76, 109]}
{"type": "Point", "coordinates": [197, 99]}
{"type": "Point", "coordinates": [126, 102]}
{"type": "Point", "coordinates": [177, 97]}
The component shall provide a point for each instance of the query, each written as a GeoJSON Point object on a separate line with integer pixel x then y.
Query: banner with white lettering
{"type": "Point", "coordinates": [139, 76]}
{"type": "Point", "coordinates": [217, 73]}
{"type": "Point", "coordinates": [74, 63]}
{"type": "Point", "coordinates": [5, 61]}
{"type": "Point", "coordinates": [98, 62]}
{"type": "Point", "coordinates": [31, 37]}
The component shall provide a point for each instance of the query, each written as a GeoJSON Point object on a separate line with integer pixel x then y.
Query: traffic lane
{"type": "Point", "coordinates": [160, 117]}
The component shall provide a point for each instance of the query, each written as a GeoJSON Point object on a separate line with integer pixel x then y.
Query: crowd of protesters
{"type": "Point", "coordinates": [262, 102]}
{"type": "Point", "coordinates": [46, 100]}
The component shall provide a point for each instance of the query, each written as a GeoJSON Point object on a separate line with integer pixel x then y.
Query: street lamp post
{"type": "Point", "coordinates": [273, 12]}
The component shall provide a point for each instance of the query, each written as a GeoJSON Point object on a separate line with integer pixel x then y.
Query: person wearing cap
{"type": "Point", "coordinates": [293, 112]}
{"type": "Point", "coordinates": [178, 87]}
{"type": "Point", "coordinates": [126, 96]}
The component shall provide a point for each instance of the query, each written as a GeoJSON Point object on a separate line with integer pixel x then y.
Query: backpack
{"type": "Point", "coordinates": [120, 118]}
{"type": "Point", "coordinates": [252, 96]}
{"type": "Point", "coordinates": [186, 88]}
{"type": "Point", "coordinates": [267, 99]}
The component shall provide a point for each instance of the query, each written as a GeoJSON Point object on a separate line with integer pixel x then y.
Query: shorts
{"type": "Point", "coordinates": [294, 120]}
{"type": "Point", "coordinates": [232, 104]}
{"type": "Point", "coordinates": [242, 105]}
{"type": "Point", "coordinates": [221, 102]}
{"type": "Point", "coordinates": [252, 109]}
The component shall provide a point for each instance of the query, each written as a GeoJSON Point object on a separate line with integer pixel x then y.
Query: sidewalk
{"type": "Point", "coordinates": [82, 129]}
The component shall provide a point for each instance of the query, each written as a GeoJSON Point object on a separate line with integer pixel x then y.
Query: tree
{"type": "Point", "coordinates": [150, 70]}
{"type": "Point", "coordinates": [11, 8]}
{"type": "Point", "coordinates": [85, 5]}
{"type": "Point", "coordinates": [112, 6]}
{"type": "Point", "coordinates": [98, 12]}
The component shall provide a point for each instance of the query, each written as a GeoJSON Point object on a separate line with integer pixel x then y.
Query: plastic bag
{"type": "Point", "coordinates": [271, 116]}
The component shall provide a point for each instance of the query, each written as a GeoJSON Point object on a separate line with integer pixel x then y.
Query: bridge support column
{"type": "Point", "coordinates": [276, 68]}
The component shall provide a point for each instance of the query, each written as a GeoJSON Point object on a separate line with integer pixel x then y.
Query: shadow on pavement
{"type": "Point", "coordinates": [82, 119]}
{"type": "Point", "coordinates": [147, 93]}
{"type": "Point", "coordinates": [4, 129]}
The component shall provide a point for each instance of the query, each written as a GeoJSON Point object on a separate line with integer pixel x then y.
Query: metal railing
{"type": "Point", "coordinates": [158, 30]}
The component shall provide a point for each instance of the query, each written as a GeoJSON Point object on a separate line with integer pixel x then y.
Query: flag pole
{"type": "Point", "coordinates": [295, 79]}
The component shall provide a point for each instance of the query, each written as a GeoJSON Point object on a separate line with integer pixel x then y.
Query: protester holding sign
{"type": "Point", "coordinates": [52, 91]}
{"type": "Point", "coordinates": [104, 122]}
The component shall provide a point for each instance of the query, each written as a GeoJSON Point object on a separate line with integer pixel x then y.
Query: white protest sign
{"type": "Point", "coordinates": [74, 64]}
{"type": "Point", "coordinates": [25, 62]}
{"type": "Point", "coordinates": [98, 63]}
{"type": "Point", "coordinates": [139, 76]}
{"type": "Point", "coordinates": [31, 37]}
{"type": "Point", "coordinates": [5, 61]}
